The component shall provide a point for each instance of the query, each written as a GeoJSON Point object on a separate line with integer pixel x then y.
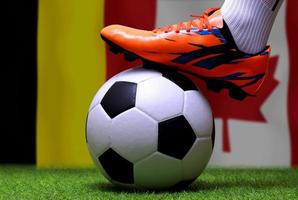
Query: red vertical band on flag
{"type": "Point", "coordinates": [292, 30]}
{"type": "Point", "coordinates": [133, 13]}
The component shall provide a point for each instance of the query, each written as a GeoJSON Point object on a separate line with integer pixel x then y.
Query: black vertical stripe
{"type": "Point", "coordinates": [275, 5]}
{"type": "Point", "coordinates": [18, 94]}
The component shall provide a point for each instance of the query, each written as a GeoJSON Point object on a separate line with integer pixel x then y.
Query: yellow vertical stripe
{"type": "Point", "coordinates": [71, 68]}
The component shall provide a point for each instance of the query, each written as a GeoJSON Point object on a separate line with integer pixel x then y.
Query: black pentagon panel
{"type": "Point", "coordinates": [118, 168]}
{"type": "Point", "coordinates": [182, 81]}
{"type": "Point", "coordinates": [119, 98]}
{"type": "Point", "coordinates": [175, 137]}
{"type": "Point", "coordinates": [213, 135]}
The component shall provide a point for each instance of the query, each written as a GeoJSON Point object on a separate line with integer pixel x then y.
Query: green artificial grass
{"type": "Point", "coordinates": [23, 182]}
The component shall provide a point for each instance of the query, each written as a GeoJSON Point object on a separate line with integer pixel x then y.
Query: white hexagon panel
{"type": "Point", "coordinates": [196, 159]}
{"type": "Point", "coordinates": [160, 98]}
{"type": "Point", "coordinates": [134, 134]}
{"type": "Point", "coordinates": [137, 75]}
{"type": "Point", "coordinates": [98, 130]}
{"type": "Point", "coordinates": [157, 171]}
{"type": "Point", "coordinates": [198, 113]}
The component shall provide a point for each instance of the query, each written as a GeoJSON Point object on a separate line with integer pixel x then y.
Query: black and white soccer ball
{"type": "Point", "coordinates": [150, 129]}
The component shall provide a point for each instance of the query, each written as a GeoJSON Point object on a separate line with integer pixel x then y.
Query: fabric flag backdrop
{"type": "Point", "coordinates": [73, 63]}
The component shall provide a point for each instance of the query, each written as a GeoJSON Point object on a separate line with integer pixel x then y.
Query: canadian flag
{"type": "Point", "coordinates": [259, 131]}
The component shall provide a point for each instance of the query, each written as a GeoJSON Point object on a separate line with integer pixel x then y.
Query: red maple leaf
{"type": "Point", "coordinates": [249, 109]}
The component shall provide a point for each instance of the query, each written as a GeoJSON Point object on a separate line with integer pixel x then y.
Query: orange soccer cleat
{"type": "Point", "coordinates": [202, 47]}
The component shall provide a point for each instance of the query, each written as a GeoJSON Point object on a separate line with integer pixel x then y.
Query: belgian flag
{"type": "Point", "coordinates": [55, 62]}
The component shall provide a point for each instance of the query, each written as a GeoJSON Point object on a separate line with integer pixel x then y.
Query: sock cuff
{"type": "Point", "coordinates": [250, 22]}
{"type": "Point", "coordinates": [271, 4]}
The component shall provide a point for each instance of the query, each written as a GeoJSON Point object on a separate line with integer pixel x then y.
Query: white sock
{"type": "Point", "coordinates": [250, 22]}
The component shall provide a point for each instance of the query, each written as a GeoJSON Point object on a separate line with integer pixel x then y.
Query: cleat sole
{"type": "Point", "coordinates": [129, 57]}
{"type": "Point", "coordinates": [212, 84]}
{"type": "Point", "coordinates": [238, 94]}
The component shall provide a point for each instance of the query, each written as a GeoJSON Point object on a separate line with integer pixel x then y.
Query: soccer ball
{"type": "Point", "coordinates": [150, 129]}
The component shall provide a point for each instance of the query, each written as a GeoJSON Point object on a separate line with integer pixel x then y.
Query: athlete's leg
{"type": "Point", "coordinates": [250, 22]}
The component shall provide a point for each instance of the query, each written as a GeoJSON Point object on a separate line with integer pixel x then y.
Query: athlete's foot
{"type": "Point", "coordinates": [202, 47]}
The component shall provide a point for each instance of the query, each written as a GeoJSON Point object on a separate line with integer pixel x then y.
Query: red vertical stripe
{"type": "Point", "coordinates": [292, 30]}
{"type": "Point", "coordinates": [226, 137]}
{"type": "Point", "coordinates": [133, 13]}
